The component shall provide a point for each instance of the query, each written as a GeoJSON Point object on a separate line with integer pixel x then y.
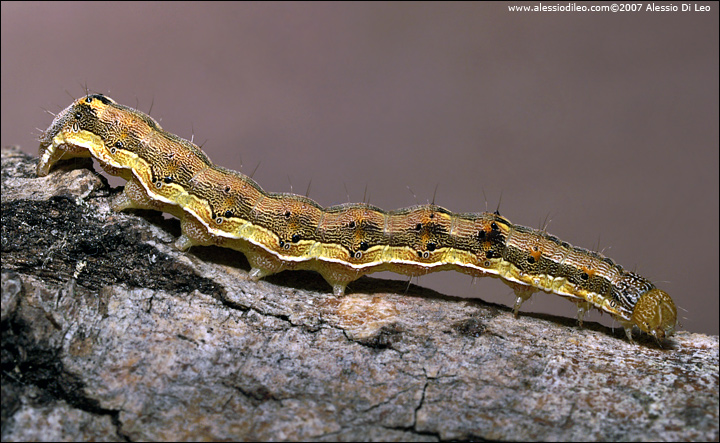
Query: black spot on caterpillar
{"type": "Point", "coordinates": [275, 231]}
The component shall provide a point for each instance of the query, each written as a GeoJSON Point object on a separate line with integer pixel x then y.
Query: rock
{"type": "Point", "coordinates": [108, 333]}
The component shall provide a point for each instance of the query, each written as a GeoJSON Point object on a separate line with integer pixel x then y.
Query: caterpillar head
{"type": "Point", "coordinates": [655, 313]}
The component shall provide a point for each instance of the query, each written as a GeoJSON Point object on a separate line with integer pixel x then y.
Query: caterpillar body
{"type": "Point", "coordinates": [278, 231]}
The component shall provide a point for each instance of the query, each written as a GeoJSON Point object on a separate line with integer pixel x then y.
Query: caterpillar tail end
{"type": "Point", "coordinates": [50, 150]}
{"type": "Point", "coordinates": [656, 314]}
{"type": "Point", "coordinates": [49, 154]}
{"type": "Point", "coordinates": [61, 141]}
{"type": "Point", "coordinates": [55, 148]}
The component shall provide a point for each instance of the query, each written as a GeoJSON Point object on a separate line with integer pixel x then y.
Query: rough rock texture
{"type": "Point", "coordinates": [108, 333]}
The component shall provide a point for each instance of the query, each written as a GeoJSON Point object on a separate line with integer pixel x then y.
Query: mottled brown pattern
{"type": "Point", "coordinates": [287, 231]}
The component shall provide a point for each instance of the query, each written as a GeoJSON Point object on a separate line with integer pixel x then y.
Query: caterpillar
{"type": "Point", "coordinates": [282, 231]}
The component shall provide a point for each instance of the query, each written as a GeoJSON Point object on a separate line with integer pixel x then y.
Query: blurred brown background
{"type": "Point", "coordinates": [605, 123]}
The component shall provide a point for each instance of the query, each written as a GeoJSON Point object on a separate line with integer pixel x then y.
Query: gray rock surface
{"type": "Point", "coordinates": [108, 333]}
